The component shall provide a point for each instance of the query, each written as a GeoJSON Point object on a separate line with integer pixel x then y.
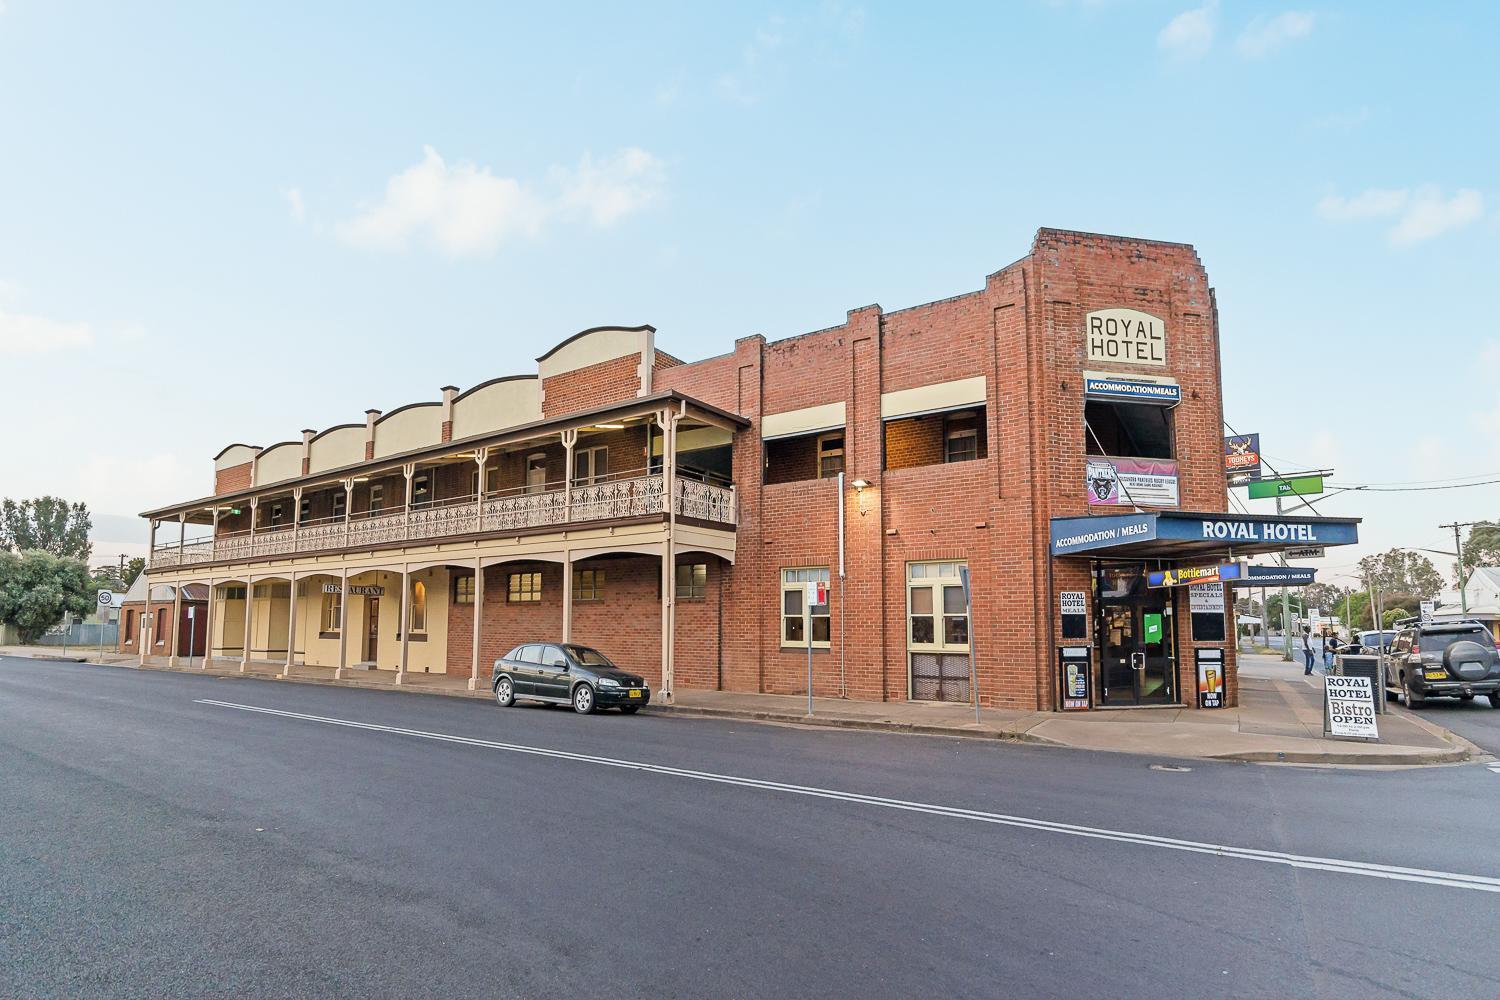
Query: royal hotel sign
{"type": "Point", "coordinates": [1125, 336]}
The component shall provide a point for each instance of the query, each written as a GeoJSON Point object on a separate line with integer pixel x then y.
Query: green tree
{"type": "Point", "coordinates": [1392, 616]}
{"type": "Point", "coordinates": [37, 588]}
{"type": "Point", "coordinates": [46, 524]}
{"type": "Point", "coordinates": [109, 574]}
{"type": "Point", "coordinates": [1483, 546]}
{"type": "Point", "coordinates": [1326, 597]}
{"type": "Point", "coordinates": [1403, 571]}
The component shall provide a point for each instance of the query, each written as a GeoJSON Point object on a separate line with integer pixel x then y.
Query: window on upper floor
{"type": "Point", "coordinates": [421, 489]}
{"type": "Point", "coordinates": [804, 456]}
{"type": "Point", "coordinates": [340, 502]}
{"type": "Point", "coordinates": [377, 497]}
{"type": "Point", "coordinates": [1127, 430]}
{"type": "Point", "coordinates": [935, 438]}
{"type": "Point", "coordinates": [590, 465]}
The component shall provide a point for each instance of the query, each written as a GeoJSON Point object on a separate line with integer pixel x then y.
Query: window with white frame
{"type": "Point", "coordinates": [536, 472]}
{"type": "Point", "coordinates": [524, 588]}
{"type": "Point", "coordinates": [463, 589]}
{"type": "Point", "coordinates": [830, 455]}
{"type": "Point", "coordinates": [590, 465]}
{"type": "Point", "coordinates": [418, 606]}
{"type": "Point", "coordinates": [692, 580]}
{"type": "Point", "coordinates": [937, 616]}
{"type": "Point", "coordinates": [340, 502]}
{"type": "Point", "coordinates": [794, 608]}
{"type": "Point", "coordinates": [377, 497]}
{"type": "Point", "coordinates": [333, 611]}
{"type": "Point", "coordinates": [421, 490]}
{"type": "Point", "coordinates": [304, 510]}
{"type": "Point", "coordinates": [588, 585]}
{"type": "Point", "coordinates": [277, 512]}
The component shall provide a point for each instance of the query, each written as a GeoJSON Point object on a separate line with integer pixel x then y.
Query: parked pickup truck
{"type": "Point", "coordinates": [1448, 659]}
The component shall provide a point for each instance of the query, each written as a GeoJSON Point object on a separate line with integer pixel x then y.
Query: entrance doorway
{"type": "Point", "coordinates": [372, 628]}
{"type": "Point", "coordinates": [1136, 640]}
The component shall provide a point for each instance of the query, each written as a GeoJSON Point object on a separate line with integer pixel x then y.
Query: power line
{"type": "Point", "coordinates": [1416, 489]}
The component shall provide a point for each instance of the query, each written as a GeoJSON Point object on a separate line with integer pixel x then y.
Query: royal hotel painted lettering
{"type": "Point", "coordinates": [1126, 336]}
{"type": "Point", "coordinates": [1251, 531]}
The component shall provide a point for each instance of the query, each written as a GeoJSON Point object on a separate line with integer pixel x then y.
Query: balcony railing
{"type": "Point", "coordinates": [632, 496]}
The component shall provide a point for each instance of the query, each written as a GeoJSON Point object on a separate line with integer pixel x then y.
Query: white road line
{"type": "Point", "coordinates": [1454, 880]}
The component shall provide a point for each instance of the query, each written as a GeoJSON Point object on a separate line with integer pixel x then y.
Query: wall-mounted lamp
{"type": "Point", "coordinates": [859, 491]}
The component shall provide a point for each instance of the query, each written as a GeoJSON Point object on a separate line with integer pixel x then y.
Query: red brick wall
{"type": "Point", "coordinates": [198, 624]}
{"type": "Point", "coordinates": [232, 479]}
{"type": "Point", "coordinates": [596, 385]}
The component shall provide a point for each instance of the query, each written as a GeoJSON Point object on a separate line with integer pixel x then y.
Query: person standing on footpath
{"type": "Point", "coordinates": [1329, 642]}
{"type": "Point", "coordinates": [1307, 649]}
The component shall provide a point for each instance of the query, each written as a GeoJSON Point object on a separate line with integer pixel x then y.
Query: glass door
{"type": "Point", "coordinates": [1135, 638]}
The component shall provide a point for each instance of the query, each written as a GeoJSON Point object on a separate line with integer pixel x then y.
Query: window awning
{"type": "Point", "coordinates": [808, 420]}
{"type": "Point", "coordinates": [936, 398]}
{"type": "Point", "coordinates": [1183, 534]}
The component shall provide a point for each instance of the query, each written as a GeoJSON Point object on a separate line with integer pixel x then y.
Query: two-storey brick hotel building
{"type": "Point", "coordinates": [1053, 438]}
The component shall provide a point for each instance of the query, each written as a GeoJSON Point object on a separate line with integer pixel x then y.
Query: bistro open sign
{"type": "Point", "coordinates": [1126, 335]}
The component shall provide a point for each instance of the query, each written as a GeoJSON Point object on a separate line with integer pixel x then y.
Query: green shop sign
{"type": "Point", "coordinates": [1302, 486]}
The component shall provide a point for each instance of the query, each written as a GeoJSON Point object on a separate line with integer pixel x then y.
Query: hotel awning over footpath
{"type": "Point", "coordinates": [1178, 534]}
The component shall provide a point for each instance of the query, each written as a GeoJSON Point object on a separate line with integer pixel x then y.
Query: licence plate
{"type": "Point", "coordinates": [1436, 675]}
{"type": "Point", "coordinates": [635, 692]}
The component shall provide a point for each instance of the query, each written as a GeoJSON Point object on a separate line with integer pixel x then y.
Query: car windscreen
{"type": "Point", "coordinates": [589, 657]}
{"type": "Point", "coordinates": [1436, 642]}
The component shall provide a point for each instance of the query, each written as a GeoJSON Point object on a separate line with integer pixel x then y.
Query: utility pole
{"type": "Point", "coordinates": [1286, 635]}
{"type": "Point", "coordinates": [1458, 550]}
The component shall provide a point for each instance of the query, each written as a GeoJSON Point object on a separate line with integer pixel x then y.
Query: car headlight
{"type": "Point", "coordinates": [608, 682]}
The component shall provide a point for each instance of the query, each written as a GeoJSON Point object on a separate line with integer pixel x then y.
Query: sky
{"type": "Point", "coordinates": [226, 223]}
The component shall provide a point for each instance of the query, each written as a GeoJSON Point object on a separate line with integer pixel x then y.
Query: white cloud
{"type": "Point", "coordinates": [1190, 34]}
{"type": "Point", "coordinates": [1420, 214]}
{"type": "Point", "coordinates": [608, 190]}
{"type": "Point", "coordinates": [21, 334]}
{"type": "Point", "coordinates": [779, 43]}
{"type": "Point", "coordinates": [465, 209]}
{"type": "Point", "coordinates": [1430, 214]}
{"type": "Point", "coordinates": [1265, 35]}
{"type": "Point", "coordinates": [293, 198]}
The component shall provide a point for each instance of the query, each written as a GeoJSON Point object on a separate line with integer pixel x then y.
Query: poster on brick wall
{"type": "Point", "coordinates": [1075, 614]}
{"type": "Point", "coordinates": [1131, 482]}
{"type": "Point", "coordinates": [1206, 606]}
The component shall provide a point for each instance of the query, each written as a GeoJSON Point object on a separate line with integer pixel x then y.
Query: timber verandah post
{"type": "Point", "coordinates": [348, 507]}
{"type": "Point", "coordinates": [481, 461]}
{"type": "Point", "coordinates": [208, 624]}
{"type": "Point", "coordinates": [405, 618]}
{"type": "Point", "coordinates": [668, 420]}
{"type": "Point", "coordinates": [249, 612]}
{"type": "Point", "coordinates": [569, 442]}
{"type": "Point", "coordinates": [478, 620]}
{"type": "Point", "coordinates": [291, 619]}
{"type": "Point", "coordinates": [176, 632]}
{"type": "Point", "coordinates": [408, 470]}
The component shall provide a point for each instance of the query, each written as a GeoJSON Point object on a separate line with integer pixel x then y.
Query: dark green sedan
{"type": "Point", "coordinates": [567, 674]}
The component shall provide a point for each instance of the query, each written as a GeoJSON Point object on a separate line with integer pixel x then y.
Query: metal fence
{"type": "Point", "coordinates": [84, 634]}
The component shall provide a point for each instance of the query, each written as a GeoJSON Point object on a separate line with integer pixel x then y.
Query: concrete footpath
{"type": "Point", "coordinates": [1279, 719]}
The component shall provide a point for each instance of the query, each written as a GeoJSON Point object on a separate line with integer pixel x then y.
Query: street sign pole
{"type": "Point", "coordinates": [963, 574]}
{"type": "Point", "coordinates": [1286, 638]}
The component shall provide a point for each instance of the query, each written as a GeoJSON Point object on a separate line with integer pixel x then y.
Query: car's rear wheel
{"type": "Point", "coordinates": [1495, 700]}
{"type": "Point", "coordinates": [505, 692]}
{"type": "Point", "coordinates": [1413, 700]}
{"type": "Point", "coordinates": [583, 699]}
{"type": "Point", "coordinates": [630, 709]}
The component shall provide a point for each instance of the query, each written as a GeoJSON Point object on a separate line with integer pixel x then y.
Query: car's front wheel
{"type": "Point", "coordinates": [583, 699]}
{"type": "Point", "coordinates": [505, 692]}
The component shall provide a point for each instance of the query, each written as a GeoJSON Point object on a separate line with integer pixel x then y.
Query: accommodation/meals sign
{"type": "Point", "coordinates": [1127, 336]}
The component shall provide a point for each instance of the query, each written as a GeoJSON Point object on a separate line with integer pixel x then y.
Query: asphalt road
{"type": "Point", "coordinates": [1475, 720]}
{"type": "Point", "coordinates": [152, 845]}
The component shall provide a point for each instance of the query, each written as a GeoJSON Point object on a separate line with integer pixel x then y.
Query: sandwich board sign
{"type": "Point", "coordinates": [1349, 708]}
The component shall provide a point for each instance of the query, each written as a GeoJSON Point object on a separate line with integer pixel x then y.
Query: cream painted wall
{"type": "Point", "coordinates": [416, 427]}
{"type": "Point", "coordinates": [498, 406]}
{"type": "Point", "coordinates": [593, 348]}
{"type": "Point", "coordinates": [337, 448]}
{"type": "Point", "coordinates": [229, 627]}
{"type": "Point", "coordinates": [237, 455]}
{"type": "Point", "coordinates": [282, 461]}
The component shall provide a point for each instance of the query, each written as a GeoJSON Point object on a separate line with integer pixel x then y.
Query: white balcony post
{"type": "Point", "coordinates": [296, 516]}
{"type": "Point", "coordinates": [478, 619]}
{"type": "Point", "coordinates": [181, 536]}
{"type": "Point", "coordinates": [250, 546]}
{"type": "Point", "coordinates": [348, 507]}
{"type": "Point", "coordinates": [208, 625]}
{"type": "Point", "coordinates": [569, 441]}
{"type": "Point", "coordinates": [408, 470]}
{"type": "Point", "coordinates": [405, 621]}
{"type": "Point", "coordinates": [291, 621]}
{"type": "Point", "coordinates": [249, 612]}
{"type": "Point", "coordinates": [213, 546]}
{"type": "Point", "coordinates": [343, 626]}
{"type": "Point", "coordinates": [482, 461]}
{"type": "Point", "coordinates": [668, 421]}
{"type": "Point", "coordinates": [567, 596]}
{"type": "Point", "coordinates": [176, 628]}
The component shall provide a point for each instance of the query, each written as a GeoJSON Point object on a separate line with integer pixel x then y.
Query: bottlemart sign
{"type": "Point", "coordinates": [1302, 486]}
